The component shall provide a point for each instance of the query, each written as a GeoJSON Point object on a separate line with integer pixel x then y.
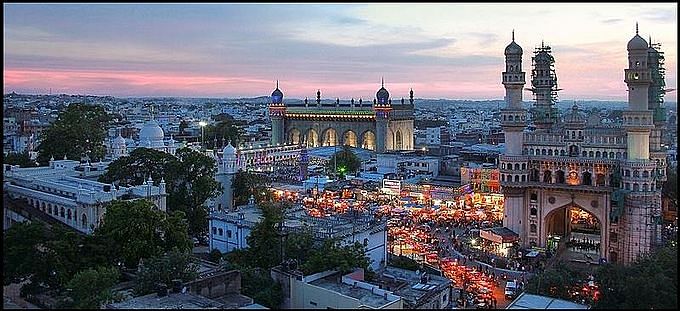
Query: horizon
{"type": "Point", "coordinates": [442, 51]}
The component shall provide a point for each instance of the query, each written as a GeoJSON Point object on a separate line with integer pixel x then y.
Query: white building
{"type": "Point", "coordinates": [61, 191]}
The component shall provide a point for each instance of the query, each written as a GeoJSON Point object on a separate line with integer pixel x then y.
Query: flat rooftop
{"type": "Point", "coordinates": [410, 287]}
{"type": "Point", "coordinates": [365, 296]}
{"type": "Point", "coordinates": [531, 301]}
{"type": "Point", "coordinates": [171, 301]}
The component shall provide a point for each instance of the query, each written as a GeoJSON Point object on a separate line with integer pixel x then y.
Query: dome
{"type": "Point", "coordinates": [151, 132]}
{"type": "Point", "coordinates": [229, 150]}
{"type": "Point", "coordinates": [637, 43]}
{"type": "Point", "coordinates": [382, 95]}
{"type": "Point", "coordinates": [575, 116]}
{"type": "Point", "coordinates": [513, 49]}
{"type": "Point", "coordinates": [119, 141]}
{"type": "Point", "coordinates": [277, 95]}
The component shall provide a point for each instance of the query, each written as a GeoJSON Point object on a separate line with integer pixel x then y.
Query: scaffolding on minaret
{"type": "Point", "coordinates": [544, 87]}
{"type": "Point", "coordinates": [657, 89]}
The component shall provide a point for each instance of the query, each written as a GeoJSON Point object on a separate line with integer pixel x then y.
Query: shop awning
{"type": "Point", "coordinates": [499, 235]}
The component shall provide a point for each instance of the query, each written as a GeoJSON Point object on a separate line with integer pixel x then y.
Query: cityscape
{"type": "Point", "coordinates": [340, 156]}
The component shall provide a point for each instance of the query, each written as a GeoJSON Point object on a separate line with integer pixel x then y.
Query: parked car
{"type": "Point", "coordinates": [510, 289]}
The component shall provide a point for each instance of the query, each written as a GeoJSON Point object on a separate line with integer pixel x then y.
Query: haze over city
{"type": "Point", "coordinates": [231, 50]}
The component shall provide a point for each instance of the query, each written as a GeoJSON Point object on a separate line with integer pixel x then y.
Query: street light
{"type": "Point", "coordinates": [202, 124]}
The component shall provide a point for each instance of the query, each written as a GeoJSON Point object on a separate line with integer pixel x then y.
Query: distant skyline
{"type": "Point", "coordinates": [452, 51]}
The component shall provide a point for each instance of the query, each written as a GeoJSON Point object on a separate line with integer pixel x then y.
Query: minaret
{"type": "Point", "coordinates": [225, 176]}
{"type": "Point", "coordinates": [641, 221]}
{"type": "Point", "coordinates": [544, 87]}
{"type": "Point", "coordinates": [657, 90]}
{"type": "Point", "coordinates": [304, 162]}
{"type": "Point", "coordinates": [382, 107]}
{"type": "Point", "coordinates": [277, 112]}
{"type": "Point", "coordinates": [513, 121]}
{"type": "Point", "coordinates": [513, 117]}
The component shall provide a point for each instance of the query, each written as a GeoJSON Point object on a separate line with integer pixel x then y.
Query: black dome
{"type": "Point", "coordinates": [513, 49]}
{"type": "Point", "coordinates": [382, 95]}
{"type": "Point", "coordinates": [278, 93]}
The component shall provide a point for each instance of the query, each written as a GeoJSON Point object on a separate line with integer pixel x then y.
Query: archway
{"type": "Point", "coordinates": [312, 138]}
{"type": "Point", "coordinates": [368, 140]}
{"type": "Point", "coordinates": [587, 178]}
{"type": "Point", "coordinates": [399, 141]}
{"type": "Point", "coordinates": [579, 229]}
{"type": "Point", "coordinates": [294, 136]}
{"type": "Point", "coordinates": [330, 137]}
{"type": "Point", "coordinates": [350, 138]}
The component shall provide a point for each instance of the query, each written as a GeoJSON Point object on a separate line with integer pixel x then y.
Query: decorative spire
{"type": "Point", "coordinates": [637, 30]}
{"type": "Point", "coordinates": [513, 35]}
{"type": "Point", "coordinates": [277, 84]}
{"type": "Point", "coordinates": [382, 82]}
{"type": "Point", "coordinates": [542, 44]}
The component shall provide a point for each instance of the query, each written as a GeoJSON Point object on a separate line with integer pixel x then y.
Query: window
{"type": "Point", "coordinates": [220, 231]}
{"type": "Point", "coordinates": [229, 233]}
{"type": "Point", "coordinates": [312, 303]}
{"type": "Point", "coordinates": [214, 230]}
{"type": "Point", "coordinates": [533, 228]}
{"type": "Point", "coordinates": [534, 211]}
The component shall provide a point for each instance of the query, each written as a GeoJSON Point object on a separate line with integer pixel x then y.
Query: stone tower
{"type": "Point", "coordinates": [277, 111]}
{"type": "Point", "coordinates": [225, 175]}
{"type": "Point", "coordinates": [382, 106]}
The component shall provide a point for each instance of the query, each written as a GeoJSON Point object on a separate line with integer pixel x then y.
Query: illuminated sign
{"type": "Point", "coordinates": [391, 186]}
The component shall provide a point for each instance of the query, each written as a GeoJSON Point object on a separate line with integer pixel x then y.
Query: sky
{"type": "Point", "coordinates": [452, 51]}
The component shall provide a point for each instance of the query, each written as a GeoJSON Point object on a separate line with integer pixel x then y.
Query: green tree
{"type": "Point", "coordinates": [347, 162]}
{"type": "Point", "coordinates": [246, 184]}
{"type": "Point", "coordinates": [90, 288]}
{"type": "Point", "coordinates": [333, 255]}
{"type": "Point", "coordinates": [258, 284]}
{"type": "Point", "coordinates": [557, 281]}
{"type": "Point", "coordinates": [164, 269]}
{"type": "Point", "coordinates": [78, 131]}
{"type": "Point", "coordinates": [224, 128]}
{"type": "Point", "coordinates": [183, 125]}
{"type": "Point", "coordinates": [651, 282]}
{"type": "Point", "coordinates": [133, 230]}
{"type": "Point", "coordinates": [264, 241]}
{"type": "Point", "coordinates": [189, 177]}
{"type": "Point", "coordinates": [24, 255]}
{"type": "Point", "coordinates": [21, 159]}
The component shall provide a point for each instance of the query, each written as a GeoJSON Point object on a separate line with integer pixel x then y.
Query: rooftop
{"type": "Point", "coordinates": [171, 301]}
{"type": "Point", "coordinates": [408, 285]}
{"type": "Point", "coordinates": [531, 301]}
{"type": "Point", "coordinates": [367, 297]}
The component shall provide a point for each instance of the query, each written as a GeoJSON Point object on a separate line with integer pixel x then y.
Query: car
{"type": "Point", "coordinates": [510, 289]}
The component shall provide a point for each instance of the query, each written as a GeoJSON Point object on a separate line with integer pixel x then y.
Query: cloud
{"type": "Point", "coordinates": [612, 20]}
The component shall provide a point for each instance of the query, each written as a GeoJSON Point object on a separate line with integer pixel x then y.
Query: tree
{"type": "Point", "coordinates": [345, 160]}
{"type": "Point", "coordinates": [21, 159]}
{"type": "Point", "coordinates": [264, 242]}
{"type": "Point", "coordinates": [557, 281]}
{"type": "Point", "coordinates": [333, 255]}
{"type": "Point", "coordinates": [133, 230]}
{"type": "Point", "coordinates": [246, 184]}
{"type": "Point", "coordinates": [225, 128]}
{"type": "Point", "coordinates": [90, 288]}
{"type": "Point", "coordinates": [78, 131]}
{"type": "Point", "coordinates": [651, 282]}
{"type": "Point", "coordinates": [189, 177]}
{"type": "Point", "coordinates": [183, 125]}
{"type": "Point", "coordinates": [164, 269]}
{"type": "Point", "coordinates": [258, 284]}
{"type": "Point", "coordinates": [24, 256]}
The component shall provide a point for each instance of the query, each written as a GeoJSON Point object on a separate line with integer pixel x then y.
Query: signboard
{"type": "Point", "coordinates": [488, 235]}
{"type": "Point", "coordinates": [392, 186]}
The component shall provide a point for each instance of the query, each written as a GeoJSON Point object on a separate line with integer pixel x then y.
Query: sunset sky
{"type": "Point", "coordinates": [232, 50]}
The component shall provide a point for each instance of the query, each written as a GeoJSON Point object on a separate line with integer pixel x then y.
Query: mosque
{"type": "Point", "coordinates": [381, 126]}
{"type": "Point", "coordinates": [575, 179]}
{"type": "Point", "coordinates": [150, 136]}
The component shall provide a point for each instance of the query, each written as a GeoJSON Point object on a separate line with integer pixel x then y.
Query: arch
{"type": "Point", "coordinates": [312, 138]}
{"type": "Point", "coordinates": [544, 152]}
{"type": "Point", "coordinates": [294, 136]}
{"type": "Point", "coordinates": [69, 215]}
{"type": "Point", "coordinates": [559, 177]}
{"type": "Point", "coordinates": [524, 178]}
{"type": "Point", "coordinates": [524, 166]}
{"type": "Point", "coordinates": [618, 155]}
{"type": "Point", "coordinates": [598, 154]}
{"type": "Point", "coordinates": [83, 220]}
{"type": "Point", "coordinates": [584, 154]}
{"type": "Point", "coordinates": [330, 137]}
{"type": "Point", "coordinates": [573, 150]}
{"type": "Point", "coordinates": [516, 178]}
{"type": "Point", "coordinates": [61, 212]}
{"type": "Point", "coordinates": [550, 152]}
{"type": "Point", "coordinates": [604, 154]}
{"type": "Point", "coordinates": [611, 154]}
{"type": "Point", "coordinates": [516, 166]}
{"type": "Point", "coordinates": [645, 173]}
{"type": "Point", "coordinates": [645, 187]}
{"type": "Point", "coordinates": [398, 141]}
{"type": "Point", "coordinates": [591, 154]}
{"type": "Point", "coordinates": [636, 187]}
{"type": "Point", "coordinates": [562, 153]}
{"type": "Point", "coordinates": [547, 176]}
{"type": "Point", "coordinates": [573, 218]}
{"type": "Point", "coordinates": [534, 175]}
{"type": "Point", "coordinates": [532, 227]}
{"type": "Point", "coordinates": [587, 178]}
{"type": "Point", "coordinates": [368, 140]}
{"type": "Point", "coordinates": [349, 138]}
{"type": "Point", "coordinates": [600, 179]}
{"type": "Point", "coordinates": [636, 173]}
{"type": "Point", "coordinates": [531, 151]}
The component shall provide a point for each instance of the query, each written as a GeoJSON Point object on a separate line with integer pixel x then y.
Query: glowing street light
{"type": "Point", "coordinates": [202, 124]}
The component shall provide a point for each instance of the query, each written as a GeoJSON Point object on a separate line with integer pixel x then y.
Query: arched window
{"type": "Point", "coordinates": [636, 187]}
{"type": "Point", "coordinates": [547, 176]}
{"type": "Point", "coordinates": [636, 173]}
{"type": "Point", "coordinates": [61, 212]}
{"type": "Point", "coordinates": [524, 178]}
{"type": "Point", "coordinates": [627, 186]}
{"type": "Point", "coordinates": [83, 219]}
{"type": "Point", "coordinates": [645, 187]}
{"type": "Point", "coordinates": [604, 154]}
{"type": "Point", "coordinates": [533, 197]}
{"type": "Point", "coordinates": [587, 178]}
{"type": "Point", "coordinates": [503, 165]}
{"type": "Point", "coordinates": [626, 173]}
{"type": "Point", "coordinates": [600, 180]}
{"type": "Point", "coordinates": [562, 153]}
{"type": "Point", "coordinates": [68, 214]}
{"type": "Point", "coordinates": [524, 166]}
{"type": "Point", "coordinates": [598, 154]}
{"type": "Point", "coordinates": [503, 177]}
{"type": "Point", "coordinates": [559, 177]}
{"type": "Point", "coordinates": [584, 154]}
{"type": "Point", "coordinates": [534, 211]}
{"type": "Point", "coordinates": [533, 228]}
{"type": "Point", "coordinates": [544, 152]}
{"type": "Point", "coordinates": [645, 174]}
{"type": "Point", "coordinates": [611, 154]}
{"type": "Point", "coordinates": [618, 155]}
{"type": "Point", "coordinates": [534, 176]}
{"type": "Point", "coordinates": [516, 178]}
{"type": "Point", "coordinates": [220, 231]}
{"type": "Point", "coordinates": [516, 166]}
{"type": "Point", "coordinates": [550, 152]}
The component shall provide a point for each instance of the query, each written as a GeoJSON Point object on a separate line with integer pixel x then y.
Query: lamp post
{"type": "Point", "coordinates": [202, 124]}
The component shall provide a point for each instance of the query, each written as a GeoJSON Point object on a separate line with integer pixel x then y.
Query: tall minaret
{"type": "Point", "coordinates": [657, 90]}
{"type": "Point", "coordinates": [544, 87]}
{"type": "Point", "coordinates": [277, 111]}
{"type": "Point", "coordinates": [513, 116]}
{"type": "Point", "coordinates": [513, 121]}
{"type": "Point", "coordinates": [641, 221]}
{"type": "Point", "coordinates": [225, 175]}
{"type": "Point", "coordinates": [382, 105]}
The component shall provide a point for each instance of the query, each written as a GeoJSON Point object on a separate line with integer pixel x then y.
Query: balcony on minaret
{"type": "Point", "coordinates": [513, 117]}
{"type": "Point", "coordinates": [637, 76]}
{"type": "Point", "coordinates": [510, 78]}
{"type": "Point", "coordinates": [642, 120]}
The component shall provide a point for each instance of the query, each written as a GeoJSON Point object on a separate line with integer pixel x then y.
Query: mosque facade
{"type": "Point", "coordinates": [576, 178]}
{"type": "Point", "coordinates": [381, 126]}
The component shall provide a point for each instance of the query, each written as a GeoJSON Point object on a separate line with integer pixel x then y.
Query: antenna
{"type": "Point", "coordinates": [513, 35]}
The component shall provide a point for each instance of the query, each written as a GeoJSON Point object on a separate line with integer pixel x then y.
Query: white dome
{"type": "Point", "coordinates": [152, 132]}
{"type": "Point", "coordinates": [119, 140]}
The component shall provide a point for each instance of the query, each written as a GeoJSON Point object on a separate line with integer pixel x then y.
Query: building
{"type": "Point", "coordinates": [151, 136]}
{"type": "Point", "coordinates": [418, 290]}
{"type": "Point", "coordinates": [63, 192]}
{"type": "Point", "coordinates": [577, 175]}
{"type": "Point", "coordinates": [332, 290]}
{"type": "Point", "coordinates": [381, 127]}
{"type": "Point", "coordinates": [531, 301]}
{"type": "Point", "coordinates": [483, 177]}
{"type": "Point", "coordinates": [230, 230]}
